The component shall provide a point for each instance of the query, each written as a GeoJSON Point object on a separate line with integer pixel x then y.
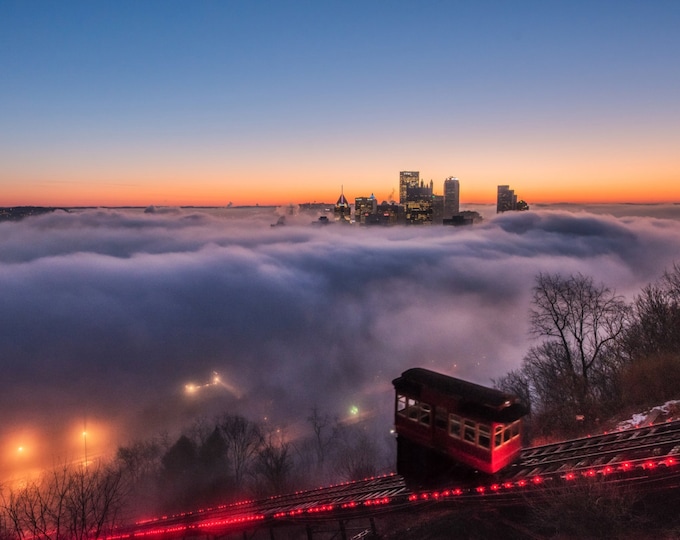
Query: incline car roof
{"type": "Point", "coordinates": [488, 402]}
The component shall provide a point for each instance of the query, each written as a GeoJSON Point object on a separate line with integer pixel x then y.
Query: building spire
{"type": "Point", "coordinates": [342, 208]}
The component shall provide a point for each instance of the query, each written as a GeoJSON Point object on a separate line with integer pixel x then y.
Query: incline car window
{"type": "Point", "coordinates": [413, 409]}
{"type": "Point", "coordinates": [401, 405]}
{"type": "Point", "coordinates": [498, 436]}
{"type": "Point", "coordinates": [469, 431]}
{"type": "Point", "coordinates": [425, 414]}
{"type": "Point", "coordinates": [504, 434]}
{"type": "Point", "coordinates": [454, 425]}
{"type": "Point", "coordinates": [440, 418]}
{"type": "Point", "coordinates": [484, 439]}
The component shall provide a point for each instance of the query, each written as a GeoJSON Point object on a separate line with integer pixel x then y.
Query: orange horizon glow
{"type": "Point", "coordinates": [68, 200]}
{"type": "Point", "coordinates": [279, 203]}
{"type": "Point", "coordinates": [284, 189]}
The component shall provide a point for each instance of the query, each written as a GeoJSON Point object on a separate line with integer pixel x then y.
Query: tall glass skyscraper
{"type": "Point", "coordinates": [506, 200]}
{"type": "Point", "coordinates": [407, 179]}
{"type": "Point", "coordinates": [451, 197]}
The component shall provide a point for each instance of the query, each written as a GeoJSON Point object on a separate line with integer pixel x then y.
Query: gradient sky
{"type": "Point", "coordinates": [167, 102]}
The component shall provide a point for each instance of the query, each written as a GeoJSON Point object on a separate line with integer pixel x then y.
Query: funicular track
{"type": "Point", "coordinates": [646, 458]}
{"type": "Point", "coordinates": [351, 500]}
{"type": "Point", "coordinates": [371, 492]}
{"type": "Point", "coordinates": [611, 449]}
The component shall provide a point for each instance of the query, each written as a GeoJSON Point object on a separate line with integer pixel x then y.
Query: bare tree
{"type": "Point", "coordinates": [65, 503]}
{"type": "Point", "coordinates": [6, 529]}
{"type": "Point", "coordinates": [582, 322]}
{"type": "Point", "coordinates": [243, 440]}
{"type": "Point", "coordinates": [358, 454]}
{"type": "Point", "coordinates": [141, 459]}
{"type": "Point", "coordinates": [93, 501]}
{"type": "Point", "coordinates": [273, 465]}
{"type": "Point", "coordinates": [140, 467]}
{"type": "Point", "coordinates": [574, 371]}
{"type": "Point", "coordinates": [655, 326]}
{"type": "Point", "coordinates": [325, 432]}
{"type": "Point", "coordinates": [39, 508]}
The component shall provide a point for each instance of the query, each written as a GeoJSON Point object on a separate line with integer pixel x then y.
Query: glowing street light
{"type": "Point", "coordinates": [215, 380]}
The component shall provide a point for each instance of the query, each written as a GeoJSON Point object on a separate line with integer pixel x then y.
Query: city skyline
{"type": "Point", "coordinates": [275, 102]}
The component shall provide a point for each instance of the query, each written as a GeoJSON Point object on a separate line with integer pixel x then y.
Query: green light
{"type": "Point", "coordinates": [354, 410]}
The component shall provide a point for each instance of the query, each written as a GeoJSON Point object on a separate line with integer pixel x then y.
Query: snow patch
{"type": "Point", "coordinates": [661, 413]}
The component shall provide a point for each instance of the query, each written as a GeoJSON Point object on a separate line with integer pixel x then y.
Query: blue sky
{"type": "Point", "coordinates": [122, 100]}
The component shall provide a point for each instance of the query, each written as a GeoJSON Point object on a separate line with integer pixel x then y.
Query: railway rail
{"type": "Point", "coordinates": [608, 450]}
{"type": "Point", "coordinates": [646, 458]}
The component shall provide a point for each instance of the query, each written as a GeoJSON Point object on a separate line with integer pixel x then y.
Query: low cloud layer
{"type": "Point", "coordinates": [107, 314]}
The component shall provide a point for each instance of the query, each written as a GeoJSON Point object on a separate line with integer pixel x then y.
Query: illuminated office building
{"type": "Point", "coordinates": [418, 208]}
{"type": "Point", "coordinates": [388, 213]}
{"type": "Point", "coordinates": [407, 180]}
{"type": "Point", "coordinates": [451, 197]}
{"type": "Point", "coordinates": [437, 209]}
{"type": "Point", "coordinates": [364, 208]}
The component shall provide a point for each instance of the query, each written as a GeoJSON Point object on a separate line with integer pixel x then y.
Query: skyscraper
{"type": "Point", "coordinates": [451, 196]}
{"type": "Point", "coordinates": [407, 179]}
{"type": "Point", "coordinates": [506, 200]}
{"type": "Point", "coordinates": [364, 207]}
{"type": "Point", "coordinates": [342, 211]}
{"type": "Point", "coordinates": [417, 199]}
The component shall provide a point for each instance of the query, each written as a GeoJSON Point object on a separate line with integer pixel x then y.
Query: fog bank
{"type": "Point", "coordinates": [108, 314]}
